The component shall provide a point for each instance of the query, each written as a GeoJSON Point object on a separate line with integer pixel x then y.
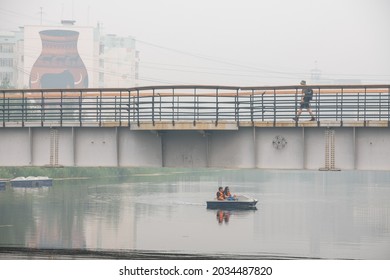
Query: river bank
{"type": "Point", "coordinates": [86, 173]}
{"type": "Point", "coordinates": [64, 173]}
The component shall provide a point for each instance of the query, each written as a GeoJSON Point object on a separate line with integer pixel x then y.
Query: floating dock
{"type": "Point", "coordinates": [32, 182]}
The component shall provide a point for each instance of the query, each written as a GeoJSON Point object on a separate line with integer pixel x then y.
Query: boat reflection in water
{"type": "Point", "coordinates": [223, 216]}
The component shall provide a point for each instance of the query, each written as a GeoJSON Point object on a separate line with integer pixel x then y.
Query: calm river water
{"type": "Point", "coordinates": [300, 214]}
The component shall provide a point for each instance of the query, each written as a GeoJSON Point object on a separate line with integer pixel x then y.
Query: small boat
{"type": "Point", "coordinates": [32, 182]}
{"type": "Point", "coordinates": [239, 202]}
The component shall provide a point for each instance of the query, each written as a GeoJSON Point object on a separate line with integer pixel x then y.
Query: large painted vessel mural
{"type": "Point", "coordinates": [59, 65]}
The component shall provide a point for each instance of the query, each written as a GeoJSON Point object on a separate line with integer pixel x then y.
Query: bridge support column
{"type": "Point", "coordinates": [139, 148]}
{"type": "Point", "coordinates": [372, 148]}
{"type": "Point", "coordinates": [185, 149]}
{"type": "Point", "coordinates": [280, 148]}
{"type": "Point", "coordinates": [232, 149]}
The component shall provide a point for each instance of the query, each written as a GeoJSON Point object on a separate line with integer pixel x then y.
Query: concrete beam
{"type": "Point", "coordinates": [185, 125]}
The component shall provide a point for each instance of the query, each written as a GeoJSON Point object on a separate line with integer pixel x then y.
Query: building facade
{"type": "Point", "coordinates": [66, 56]}
{"type": "Point", "coordinates": [119, 61]}
{"type": "Point", "coordinates": [8, 65]}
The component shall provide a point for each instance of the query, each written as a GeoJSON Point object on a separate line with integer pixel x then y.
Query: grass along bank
{"type": "Point", "coordinates": [7, 173]}
{"type": "Point", "coordinates": [63, 173]}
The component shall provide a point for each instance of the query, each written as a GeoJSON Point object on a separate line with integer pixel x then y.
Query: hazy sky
{"type": "Point", "coordinates": [233, 42]}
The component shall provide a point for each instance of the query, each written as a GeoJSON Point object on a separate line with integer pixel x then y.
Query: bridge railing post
{"type": "Point", "coordinates": [3, 109]}
{"type": "Point", "coordinates": [237, 107]}
{"type": "Point", "coordinates": [365, 105]}
{"type": "Point", "coordinates": [61, 109]}
{"type": "Point", "coordinates": [216, 107]}
{"type": "Point", "coordinates": [251, 97]}
{"type": "Point", "coordinates": [173, 106]}
{"type": "Point", "coordinates": [195, 107]}
{"type": "Point", "coordinates": [263, 108]}
{"type": "Point", "coordinates": [80, 100]}
{"type": "Point", "coordinates": [296, 106]}
{"type": "Point", "coordinates": [342, 106]}
{"type": "Point", "coordinates": [138, 108]}
{"type": "Point", "coordinates": [274, 106]}
{"type": "Point", "coordinates": [120, 108]}
{"type": "Point", "coordinates": [128, 107]}
{"type": "Point", "coordinates": [42, 108]}
{"type": "Point", "coordinates": [380, 106]}
{"type": "Point", "coordinates": [100, 108]}
{"type": "Point", "coordinates": [23, 108]}
{"type": "Point", "coordinates": [388, 106]}
{"type": "Point", "coordinates": [337, 106]}
{"type": "Point", "coordinates": [318, 105]}
{"type": "Point", "coordinates": [153, 93]}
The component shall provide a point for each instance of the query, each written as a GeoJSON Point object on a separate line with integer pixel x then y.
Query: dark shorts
{"type": "Point", "coordinates": [305, 105]}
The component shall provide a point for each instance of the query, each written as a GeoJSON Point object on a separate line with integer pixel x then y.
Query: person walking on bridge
{"type": "Point", "coordinates": [307, 96]}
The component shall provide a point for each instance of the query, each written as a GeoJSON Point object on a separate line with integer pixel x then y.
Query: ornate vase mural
{"type": "Point", "coordinates": [59, 65]}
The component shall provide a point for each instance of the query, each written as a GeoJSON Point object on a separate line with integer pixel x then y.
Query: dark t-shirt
{"type": "Point", "coordinates": [308, 95]}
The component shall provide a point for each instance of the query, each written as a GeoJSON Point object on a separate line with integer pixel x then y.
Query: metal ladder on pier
{"type": "Point", "coordinates": [330, 151]}
{"type": "Point", "coordinates": [54, 136]}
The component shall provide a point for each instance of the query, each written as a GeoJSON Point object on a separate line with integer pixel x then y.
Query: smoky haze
{"type": "Point", "coordinates": [226, 42]}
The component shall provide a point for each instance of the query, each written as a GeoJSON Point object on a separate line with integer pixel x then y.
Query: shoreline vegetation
{"type": "Point", "coordinates": [79, 173]}
{"type": "Point", "coordinates": [65, 173]}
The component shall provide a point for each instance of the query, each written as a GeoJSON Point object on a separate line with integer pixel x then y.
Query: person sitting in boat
{"type": "Point", "coordinates": [227, 194]}
{"type": "Point", "coordinates": [220, 194]}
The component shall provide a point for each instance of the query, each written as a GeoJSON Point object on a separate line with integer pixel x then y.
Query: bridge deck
{"type": "Point", "coordinates": [202, 125]}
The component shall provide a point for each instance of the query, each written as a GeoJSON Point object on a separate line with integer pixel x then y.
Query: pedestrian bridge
{"type": "Point", "coordinates": [197, 126]}
{"type": "Point", "coordinates": [194, 107]}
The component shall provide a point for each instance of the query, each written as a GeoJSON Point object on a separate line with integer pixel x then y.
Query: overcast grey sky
{"type": "Point", "coordinates": [233, 42]}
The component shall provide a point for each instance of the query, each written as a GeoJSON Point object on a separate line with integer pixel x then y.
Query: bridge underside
{"type": "Point", "coordinates": [284, 145]}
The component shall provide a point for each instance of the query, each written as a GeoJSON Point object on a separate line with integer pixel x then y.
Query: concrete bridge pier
{"type": "Point", "coordinates": [232, 149]}
{"type": "Point", "coordinates": [229, 149]}
{"type": "Point", "coordinates": [116, 146]}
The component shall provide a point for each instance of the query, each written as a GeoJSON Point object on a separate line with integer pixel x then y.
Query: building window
{"type": "Point", "coordinates": [6, 62]}
{"type": "Point", "coordinates": [6, 79]}
{"type": "Point", "coordinates": [6, 48]}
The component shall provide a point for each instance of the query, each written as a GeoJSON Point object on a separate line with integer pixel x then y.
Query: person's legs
{"type": "Point", "coordinates": [298, 114]}
{"type": "Point", "coordinates": [311, 114]}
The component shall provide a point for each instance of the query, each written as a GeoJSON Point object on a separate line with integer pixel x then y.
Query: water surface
{"type": "Point", "coordinates": [301, 214]}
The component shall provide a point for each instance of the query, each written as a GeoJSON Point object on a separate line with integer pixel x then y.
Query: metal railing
{"type": "Point", "coordinates": [133, 106]}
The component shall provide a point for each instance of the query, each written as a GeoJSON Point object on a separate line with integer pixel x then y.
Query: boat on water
{"type": "Point", "coordinates": [32, 182]}
{"type": "Point", "coordinates": [238, 202]}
